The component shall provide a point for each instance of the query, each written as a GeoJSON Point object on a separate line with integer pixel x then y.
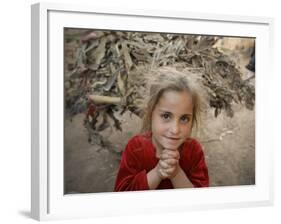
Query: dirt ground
{"type": "Point", "coordinates": [228, 143]}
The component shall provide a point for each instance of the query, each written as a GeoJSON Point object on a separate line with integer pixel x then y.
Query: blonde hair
{"type": "Point", "coordinates": [169, 79]}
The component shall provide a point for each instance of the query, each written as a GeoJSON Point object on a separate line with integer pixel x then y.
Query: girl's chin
{"type": "Point", "coordinates": [170, 145]}
{"type": "Point", "coordinates": [164, 143]}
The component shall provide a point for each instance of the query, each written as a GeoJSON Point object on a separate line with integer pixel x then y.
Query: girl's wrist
{"type": "Point", "coordinates": [159, 172]}
{"type": "Point", "coordinates": [177, 172]}
{"type": "Point", "coordinates": [153, 178]}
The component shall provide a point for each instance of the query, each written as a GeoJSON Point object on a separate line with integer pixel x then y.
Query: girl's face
{"type": "Point", "coordinates": [171, 120]}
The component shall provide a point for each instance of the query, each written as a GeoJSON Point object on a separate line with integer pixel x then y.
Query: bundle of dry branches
{"type": "Point", "coordinates": [103, 72]}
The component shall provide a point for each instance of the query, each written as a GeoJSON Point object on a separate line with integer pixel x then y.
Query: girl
{"type": "Point", "coordinates": [164, 156]}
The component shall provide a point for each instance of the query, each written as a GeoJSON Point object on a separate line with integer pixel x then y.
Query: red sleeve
{"type": "Point", "coordinates": [131, 176]}
{"type": "Point", "coordinates": [198, 174]}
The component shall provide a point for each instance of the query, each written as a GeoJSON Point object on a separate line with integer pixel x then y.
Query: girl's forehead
{"type": "Point", "coordinates": [180, 101]}
{"type": "Point", "coordinates": [173, 95]}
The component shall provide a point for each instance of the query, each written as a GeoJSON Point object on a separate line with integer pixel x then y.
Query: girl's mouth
{"type": "Point", "coordinates": [172, 138]}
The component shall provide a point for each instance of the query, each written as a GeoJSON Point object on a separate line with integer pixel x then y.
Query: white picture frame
{"type": "Point", "coordinates": [48, 200]}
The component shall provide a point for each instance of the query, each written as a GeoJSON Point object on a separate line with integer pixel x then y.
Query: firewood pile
{"type": "Point", "coordinates": [103, 73]}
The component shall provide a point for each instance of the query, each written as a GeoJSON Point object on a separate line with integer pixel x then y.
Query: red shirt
{"type": "Point", "coordinates": [139, 157]}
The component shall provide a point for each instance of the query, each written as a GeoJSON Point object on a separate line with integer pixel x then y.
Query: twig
{"type": "Point", "coordinates": [106, 99]}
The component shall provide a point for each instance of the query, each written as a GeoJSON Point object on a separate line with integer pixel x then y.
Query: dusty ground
{"type": "Point", "coordinates": [229, 144]}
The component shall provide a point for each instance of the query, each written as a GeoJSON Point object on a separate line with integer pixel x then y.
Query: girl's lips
{"type": "Point", "coordinates": [172, 138]}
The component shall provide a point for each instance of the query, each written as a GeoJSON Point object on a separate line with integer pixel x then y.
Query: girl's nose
{"type": "Point", "coordinates": [175, 128]}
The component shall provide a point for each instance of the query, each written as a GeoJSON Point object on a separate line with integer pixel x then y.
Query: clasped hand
{"type": "Point", "coordinates": [168, 165]}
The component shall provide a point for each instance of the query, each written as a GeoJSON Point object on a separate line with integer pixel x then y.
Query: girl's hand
{"type": "Point", "coordinates": [165, 170]}
{"type": "Point", "coordinates": [169, 154]}
{"type": "Point", "coordinates": [161, 172]}
{"type": "Point", "coordinates": [169, 163]}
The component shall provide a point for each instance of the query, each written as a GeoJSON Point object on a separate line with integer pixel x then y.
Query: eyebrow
{"type": "Point", "coordinates": [166, 111]}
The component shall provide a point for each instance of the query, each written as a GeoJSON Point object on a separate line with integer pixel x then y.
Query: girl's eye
{"type": "Point", "coordinates": [185, 119]}
{"type": "Point", "coordinates": [166, 116]}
